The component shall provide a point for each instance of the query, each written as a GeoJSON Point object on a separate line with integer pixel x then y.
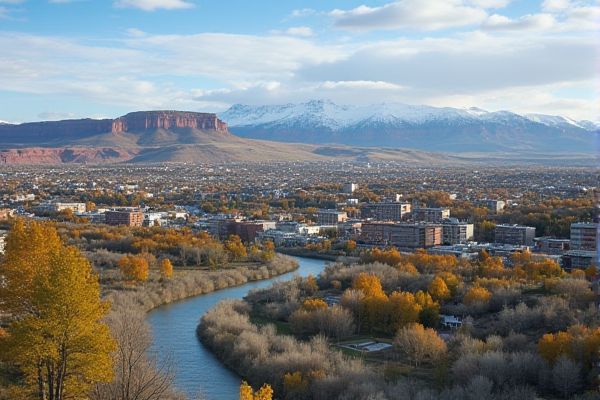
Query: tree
{"type": "Point", "coordinates": [369, 284]}
{"type": "Point", "coordinates": [58, 341]}
{"type": "Point", "coordinates": [314, 304]}
{"type": "Point", "coordinates": [264, 393]}
{"type": "Point", "coordinates": [403, 310]}
{"type": "Point", "coordinates": [566, 376]}
{"type": "Point", "coordinates": [166, 268]}
{"type": "Point", "coordinates": [438, 289]}
{"type": "Point", "coordinates": [136, 373]}
{"type": "Point", "coordinates": [268, 252]}
{"type": "Point", "coordinates": [134, 268]}
{"type": "Point", "coordinates": [551, 346]}
{"type": "Point", "coordinates": [235, 247]}
{"type": "Point", "coordinates": [350, 246]}
{"type": "Point", "coordinates": [477, 295]}
{"type": "Point", "coordinates": [419, 344]}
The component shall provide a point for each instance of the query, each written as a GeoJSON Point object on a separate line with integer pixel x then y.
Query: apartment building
{"type": "Point", "coordinates": [403, 236]}
{"type": "Point", "coordinates": [385, 211]}
{"type": "Point", "coordinates": [456, 232]}
{"type": "Point", "coordinates": [128, 217]}
{"type": "Point", "coordinates": [494, 206]}
{"type": "Point", "coordinates": [430, 214]}
{"type": "Point", "coordinates": [518, 235]}
{"type": "Point", "coordinates": [59, 206]}
{"type": "Point", "coordinates": [584, 236]}
{"type": "Point", "coordinates": [331, 217]}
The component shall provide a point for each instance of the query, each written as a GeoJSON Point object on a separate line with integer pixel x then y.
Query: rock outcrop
{"type": "Point", "coordinates": [148, 120]}
{"type": "Point", "coordinates": [54, 133]}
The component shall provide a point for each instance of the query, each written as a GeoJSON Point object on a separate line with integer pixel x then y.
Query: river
{"type": "Point", "coordinates": [198, 373]}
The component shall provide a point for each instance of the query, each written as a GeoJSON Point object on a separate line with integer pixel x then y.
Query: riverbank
{"type": "Point", "coordinates": [302, 252]}
{"type": "Point", "coordinates": [195, 283]}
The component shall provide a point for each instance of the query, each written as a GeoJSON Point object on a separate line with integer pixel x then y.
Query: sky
{"type": "Point", "coordinates": [63, 59]}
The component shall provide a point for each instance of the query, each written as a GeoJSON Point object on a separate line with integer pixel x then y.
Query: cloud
{"type": "Point", "coordinates": [152, 5]}
{"type": "Point", "coordinates": [490, 3]}
{"type": "Point", "coordinates": [212, 70]}
{"type": "Point", "coordinates": [303, 12]}
{"type": "Point", "coordinates": [304, 31]}
{"type": "Point", "coordinates": [526, 22]}
{"type": "Point", "coordinates": [55, 116]}
{"type": "Point", "coordinates": [425, 15]}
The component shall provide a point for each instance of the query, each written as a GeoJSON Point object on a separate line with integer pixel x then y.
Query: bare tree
{"type": "Point", "coordinates": [565, 375]}
{"type": "Point", "coordinates": [137, 375]}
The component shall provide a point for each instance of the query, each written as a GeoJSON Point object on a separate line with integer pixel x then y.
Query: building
{"type": "Point", "coordinates": [129, 217]}
{"type": "Point", "coordinates": [430, 214]}
{"type": "Point", "coordinates": [403, 236]}
{"type": "Point", "coordinates": [584, 236]}
{"type": "Point", "coordinates": [494, 206]}
{"type": "Point", "coordinates": [548, 245]}
{"type": "Point", "coordinates": [518, 235]}
{"type": "Point", "coordinates": [579, 259]}
{"type": "Point", "coordinates": [385, 211]}
{"type": "Point", "coordinates": [331, 217]}
{"type": "Point", "coordinates": [55, 207]}
{"type": "Point", "coordinates": [349, 188]}
{"type": "Point", "coordinates": [456, 232]}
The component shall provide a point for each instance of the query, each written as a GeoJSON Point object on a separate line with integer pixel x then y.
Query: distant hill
{"type": "Point", "coordinates": [405, 126]}
{"type": "Point", "coordinates": [181, 136]}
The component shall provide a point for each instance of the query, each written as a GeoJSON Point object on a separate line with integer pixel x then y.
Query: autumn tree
{"type": "Point", "coordinates": [477, 295]}
{"type": "Point", "coordinates": [419, 344]}
{"type": "Point", "coordinates": [268, 252]}
{"type": "Point", "coordinates": [166, 268]}
{"type": "Point", "coordinates": [235, 248]}
{"type": "Point", "coordinates": [134, 268]}
{"type": "Point", "coordinates": [57, 339]}
{"type": "Point", "coordinates": [350, 246]}
{"type": "Point", "coordinates": [314, 304]}
{"type": "Point", "coordinates": [403, 310]}
{"type": "Point", "coordinates": [247, 393]}
{"type": "Point", "coordinates": [438, 289]}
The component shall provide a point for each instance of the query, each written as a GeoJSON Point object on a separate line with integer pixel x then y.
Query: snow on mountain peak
{"type": "Point", "coordinates": [327, 114]}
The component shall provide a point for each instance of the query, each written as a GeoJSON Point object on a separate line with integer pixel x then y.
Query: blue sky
{"type": "Point", "coordinates": [103, 58]}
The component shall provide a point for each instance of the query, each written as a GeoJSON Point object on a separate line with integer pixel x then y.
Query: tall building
{"type": "Point", "coordinates": [349, 188]}
{"type": "Point", "coordinates": [430, 214]}
{"type": "Point", "coordinates": [58, 207]}
{"type": "Point", "coordinates": [129, 217]}
{"type": "Point", "coordinates": [494, 206]}
{"type": "Point", "coordinates": [456, 232]}
{"type": "Point", "coordinates": [331, 217]}
{"type": "Point", "coordinates": [514, 234]}
{"type": "Point", "coordinates": [385, 211]}
{"type": "Point", "coordinates": [403, 236]}
{"type": "Point", "coordinates": [584, 236]}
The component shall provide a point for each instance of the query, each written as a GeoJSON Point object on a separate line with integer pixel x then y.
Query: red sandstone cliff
{"type": "Point", "coordinates": [146, 120]}
{"type": "Point", "coordinates": [67, 132]}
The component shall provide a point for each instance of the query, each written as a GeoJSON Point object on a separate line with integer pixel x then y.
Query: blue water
{"type": "Point", "coordinates": [198, 373]}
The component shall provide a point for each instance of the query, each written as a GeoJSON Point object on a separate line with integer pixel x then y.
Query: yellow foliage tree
{"type": "Point", "coordinates": [591, 272]}
{"type": "Point", "coordinates": [350, 246]}
{"type": "Point", "coordinates": [134, 268]}
{"type": "Point", "coordinates": [314, 304]}
{"type": "Point", "coordinates": [403, 310]}
{"type": "Point", "coordinates": [58, 341]}
{"type": "Point", "coordinates": [438, 289]}
{"type": "Point", "coordinates": [369, 284]}
{"type": "Point", "coordinates": [477, 295]}
{"type": "Point", "coordinates": [264, 393]}
{"type": "Point", "coordinates": [551, 346]}
{"type": "Point", "coordinates": [236, 248]}
{"type": "Point", "coordinates": [294, 381]}
{"type": "Point", "coordinates": [268, 252]}
{"type": "Point", "coordinates": [166, 268]}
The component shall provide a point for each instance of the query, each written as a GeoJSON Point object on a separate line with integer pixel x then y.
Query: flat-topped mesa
{"type": "Point", "coordinates": [145, 120]}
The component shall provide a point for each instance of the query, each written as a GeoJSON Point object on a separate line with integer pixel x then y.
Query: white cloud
{"type": "Point", "coordinates": [426, 15]}
{"type": "Point", "coordinates": [303, 31]}
{"type": "Point", "coordinates": [142, 70]}
{"type": "Point", "coordinates": [303, 12]}
{"type": "Point", "coordinates": [526, 22]}
{"type": "Point", "coordinates": [555, 5]}
{"type": "Point", "coordinates": [370, 85]}
{"type": "Point", "coordinates": [490, 3]}
{"type": "Point", "coordinates": [151, 5]}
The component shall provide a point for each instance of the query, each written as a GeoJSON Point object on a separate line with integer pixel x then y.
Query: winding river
{"type": "Point", "coordinates": [198, 373]}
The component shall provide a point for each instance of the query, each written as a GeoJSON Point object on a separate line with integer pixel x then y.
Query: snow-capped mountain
{"type": "Point", "coordinates": [402, 125]}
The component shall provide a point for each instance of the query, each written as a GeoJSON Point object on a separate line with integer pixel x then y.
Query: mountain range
{"type": "Point", "coordinates": [398, 125]}
{"type": "Point", "coordinates": [313, 131]}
